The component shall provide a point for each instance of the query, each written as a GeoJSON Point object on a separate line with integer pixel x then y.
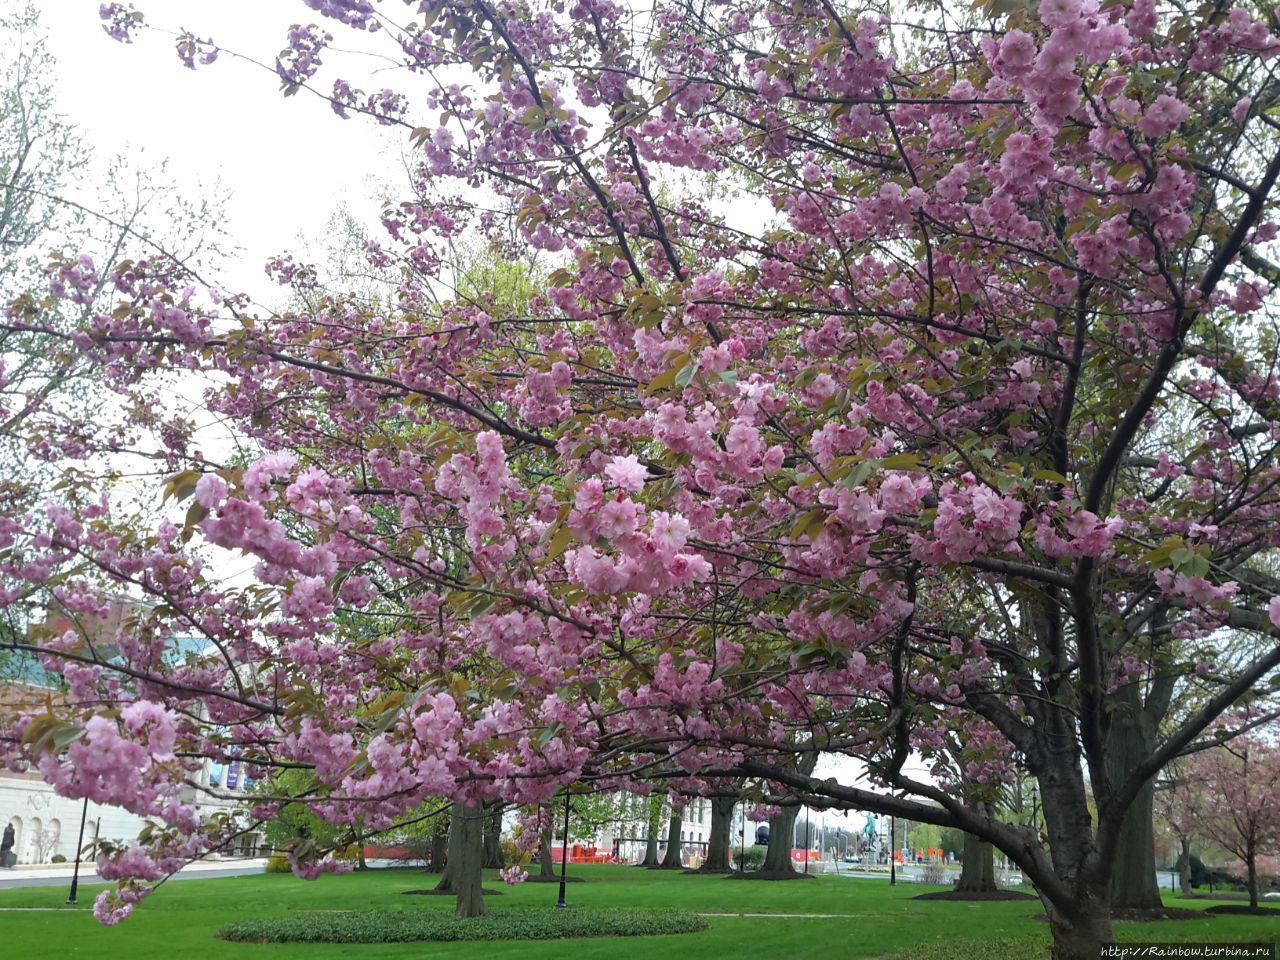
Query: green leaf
{"type": "Point", "coordinates": [686, 375]}
{"type": "Point", "coordinates": [181, 485]}
{"type": "Point", "coordinates": [807, 521]}
{"type": "Point", "coordinates": [1161, 554]}
{"type": "Point", "coordinates": [663, 381]}
{"type": "Point", "coordinates": [902, 461]}
{"type": "Point", "coordinates": [560, 542]}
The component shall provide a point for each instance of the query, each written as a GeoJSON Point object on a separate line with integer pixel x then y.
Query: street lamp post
{"type": "Point", "coordinates": [75, 874]}
{"type": "Point", "coordinates": [742, 839]}
{"type": "Point", "coordinates": [808, 839]}
{"type": "Point", "coordinates": [564, 851]}
{"type": "Point", "coordinates": [893, 852]}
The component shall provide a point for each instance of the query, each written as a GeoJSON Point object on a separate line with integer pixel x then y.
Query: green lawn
{"type": "Point", "coordinates": [876, 920]}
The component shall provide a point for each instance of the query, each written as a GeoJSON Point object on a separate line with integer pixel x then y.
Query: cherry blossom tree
{"type": "Point", "coordinates": [1240, 784]}
{"type": "Point", "coordinates": [1180, 805]}
{"type": "Point", "coordinates": [896, 370]}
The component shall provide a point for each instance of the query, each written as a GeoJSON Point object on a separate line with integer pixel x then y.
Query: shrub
{"type": "Point", "coordinates": [278, 863]}
{"type": "Point", "coordinates": [933, 873]}
{"type": "Point", "coordinates": [57, 858]}
{"type": "Point", "coordinates": [401, 926]}
{"type": "Point", "coordinates": [416, 850]}
{"type": "Point", "coordinates": [1203, 876]}
{"type": "Point", "coordinates": [751, 858]}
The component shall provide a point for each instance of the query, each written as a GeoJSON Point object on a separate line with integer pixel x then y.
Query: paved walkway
{"type": "Point", "coordinates": [791, 916]}
{"type": "Point", "coordinates": [59, 874]}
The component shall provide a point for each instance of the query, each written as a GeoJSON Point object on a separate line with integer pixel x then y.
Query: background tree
{"type": "Point", "coordinates": [1241, 787]}
{"type": "Point", "coordinates": [1180, 804]}
{"type": "Point", "coordinates": [720, 836]}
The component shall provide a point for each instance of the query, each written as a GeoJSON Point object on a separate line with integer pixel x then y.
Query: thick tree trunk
{"type": "Point", "coordinates": [782, 830]}
{"type": "Point", "coordinates": [546, 867]}
{"type": "Point", "coordinates": [439, 847]}
{"type": "Point", "coordinates": [978, 871]}
{"type": "Point", "coordinates": [447, 883]}
{"type": "Point", "coordinates": [464, 861]}
{"type": "Point", "coordinates": [493, 839]}
{"type": "Point", "coordinates": [1079, 912]}
{"type": "Point", "coordinates": [1133, 874]}
{"type": "Point", "coordinates": [721, 838]}
{"type": "Point", "coordinates": [671, 860]}
{"type": "Point", "coordinates": [1081, 937]}
{"type": "Point", "coordinates": [1184, 867]}
{"type": "Point", "coordinates": [777, 859]}
{"type": "Point", "coordinates": [651, 838]}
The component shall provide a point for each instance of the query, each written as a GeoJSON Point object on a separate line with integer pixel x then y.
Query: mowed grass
{"type": "Point", "coordinates": [874, 920]}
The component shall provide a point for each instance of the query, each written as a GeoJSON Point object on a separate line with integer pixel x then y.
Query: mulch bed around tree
{"type": "Point", "coordinates": [975, 895]}
{"type": "Point", "coordinates": [1257, 911]}
{"type": "Point", "coordinates": [539, 878]}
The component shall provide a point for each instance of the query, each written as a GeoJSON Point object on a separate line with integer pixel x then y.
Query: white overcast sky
{"type": "Point", "coordinates": [286, 163]}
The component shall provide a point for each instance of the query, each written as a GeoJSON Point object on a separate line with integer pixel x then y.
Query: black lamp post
{"type": "Point", "coordinates": [564, 852]}
{"type": "Point", "coordinates": [808, 839]}
{"type": "Point", "coordinates": [742, 840]}
{"type": "Point", "coordinates": [75, 873]}
{"type": "Point", "coordinates": [893, 852]}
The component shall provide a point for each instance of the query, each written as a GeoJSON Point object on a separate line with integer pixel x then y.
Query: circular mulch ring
{"type": "Point", "coordinates": [975, 895]}
{"type": "Point", "coordinates": [1244, 908]}
{"type": "Point", "coordinates": [769, 875]}
{"type": "Point", "coordinates": [433, 892]}
{"type": "Point", "coordinates": [539, 878]}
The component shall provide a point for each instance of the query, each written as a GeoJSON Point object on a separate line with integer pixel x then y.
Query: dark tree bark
{"type": "Point", "coordinates": [465, 858]}
{"type": "Point", "coordinates": [546, 868]}
{"type": "Point", "coordinates": [1083, 937]}
{"type": "Point", "coordinates": [777, 858]}
{"type": "Point", "coordinates": [1251, 863]}
{"type": "Point", "coordinates": [978, 871]}
{"type": "Point", "coordinates": [361, 864]}
{"type": "Point", "coordinates": [447, 883]}
{"type": "Point", "coordinates": [493, 838]}
{"type": "Point", "coordinates": [439, 845]}
{"type": "Point", "coordinates": [651, 838]}
{"type": "Point", "coordinates": [1079, 915]}
{"type": "Point", "coordinates": [720, 841]}
{"type": "Point", "coordinates": [1184, 866]}
{"type": "Point", "coordinates": [1133, 877]}
{"type": "Point", "coordinates": [782, 830]}
{"type": "Point", "coordinates": [671, 860]}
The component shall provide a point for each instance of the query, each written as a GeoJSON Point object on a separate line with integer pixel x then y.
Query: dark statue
{"type": "Point", "coordinates": [7, 857]}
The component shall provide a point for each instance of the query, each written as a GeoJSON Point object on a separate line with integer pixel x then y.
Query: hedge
{"type": "Point", "coordinates": [399, 926]}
